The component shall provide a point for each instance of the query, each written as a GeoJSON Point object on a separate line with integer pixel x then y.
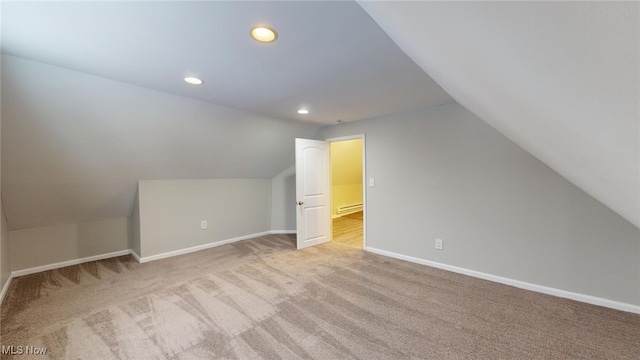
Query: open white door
{"type": "Point", "coordinates": [313, 193]}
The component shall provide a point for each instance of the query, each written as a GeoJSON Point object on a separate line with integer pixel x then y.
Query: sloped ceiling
{"type": "Point", "coordinates": [93, 96]}
{"type": "Point", "coordinates": [330, 57]}
{"type": "Point", "coordinates": [560, 79]}
{"type": "Point", "coordinates": [74, 145]}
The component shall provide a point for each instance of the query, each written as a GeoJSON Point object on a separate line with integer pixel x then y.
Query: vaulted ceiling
{"type": "Point", "coordinates": [94, 97]}
{"type": "Point", "coordinates": [330, 57]}
{"type": "Point", "coordinates": [561, 79]}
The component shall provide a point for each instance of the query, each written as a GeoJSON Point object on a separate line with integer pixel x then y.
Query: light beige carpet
{"type": "Point", "coordinates": [261, 298]}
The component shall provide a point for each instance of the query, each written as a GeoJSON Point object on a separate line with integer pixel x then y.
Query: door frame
{"type": "Point", "coordinates": [364, 180]}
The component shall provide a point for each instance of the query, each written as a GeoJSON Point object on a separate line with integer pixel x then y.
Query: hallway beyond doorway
{"type": "Point", "coordinates": [347, 229]}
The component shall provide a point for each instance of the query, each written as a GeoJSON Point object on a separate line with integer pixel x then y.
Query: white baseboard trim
{"type": "Point", "coordinates": [135, 256]}
{"type": "Point", "coordinates": [276, 232]}
{"type": "Point", "coordinates": [168, 254]}
{"type": "Point", "coordinates": [38, 269]}
{"type": "Point", "coordinates": [5, 288]}
{"type": "Point", "coordinates": [515, 283]}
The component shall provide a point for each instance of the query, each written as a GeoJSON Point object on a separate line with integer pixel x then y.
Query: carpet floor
{"type": "Point", "coordinates": [262, 299]}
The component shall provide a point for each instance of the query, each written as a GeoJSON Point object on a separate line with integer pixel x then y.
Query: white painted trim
{"type": "Point", "coordinates": [138, 258]}
{"type": "Point", "coordinates": [516, 283]}
{"type": "Point", "coordinates": [276, 232]}
{"type": "Point", "coordinates": [364, 180]}
{"type": "Point", "coordinates": [42, 268]}
{"type": "Point", "coordinates": [5, 288]}
{"type": "Point", "coordinates": [343, 138]}
{"type": "Point", "coordinates": [169, 254]}
{"type": "Point", "coordinates": [135, 256]}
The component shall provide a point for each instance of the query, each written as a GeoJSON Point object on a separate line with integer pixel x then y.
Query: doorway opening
{"type": "Point", "coordinates": [348, 190]}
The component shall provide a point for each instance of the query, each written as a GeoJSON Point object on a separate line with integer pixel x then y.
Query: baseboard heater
{"type": "Point", "coordinates": [348, 209]}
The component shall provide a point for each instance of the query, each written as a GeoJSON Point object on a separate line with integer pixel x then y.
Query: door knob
{"type": "Point", "coordinates": [300, 203]}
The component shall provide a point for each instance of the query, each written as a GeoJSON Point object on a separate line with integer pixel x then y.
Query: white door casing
{"type": "Point", "coordinates": [313, 193]}
{"type": "Point", "coordinates": [364, 180]}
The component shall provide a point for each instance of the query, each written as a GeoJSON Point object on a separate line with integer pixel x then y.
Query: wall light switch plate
{"type": "Point", "coordinates": [203, 225]}
{"type": "Point", "coordinates": [372, 182]}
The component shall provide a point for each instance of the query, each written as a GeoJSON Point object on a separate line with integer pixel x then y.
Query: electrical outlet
{"type": "Point", "coordinates": [439, 244]}
{"type": "Point", "coordinates": [203, 225]}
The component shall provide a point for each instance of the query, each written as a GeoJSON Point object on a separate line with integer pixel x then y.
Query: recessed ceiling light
{"type": "Point", "coordinates": [303, 111]}
{"type": "Point", "coordinates": [264, 34]}
{"type": "Point", "coordinates": [193, 81]}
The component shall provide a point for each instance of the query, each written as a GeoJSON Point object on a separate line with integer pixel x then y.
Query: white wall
{"type": "Point", "coordinates": [48, 245]}
{"type": "Point", "coordinates": [444, 173]}
{"type": "Point", "coordinates": [171, 212]}
{"type": "Point", "coordinates": [283, 200]}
